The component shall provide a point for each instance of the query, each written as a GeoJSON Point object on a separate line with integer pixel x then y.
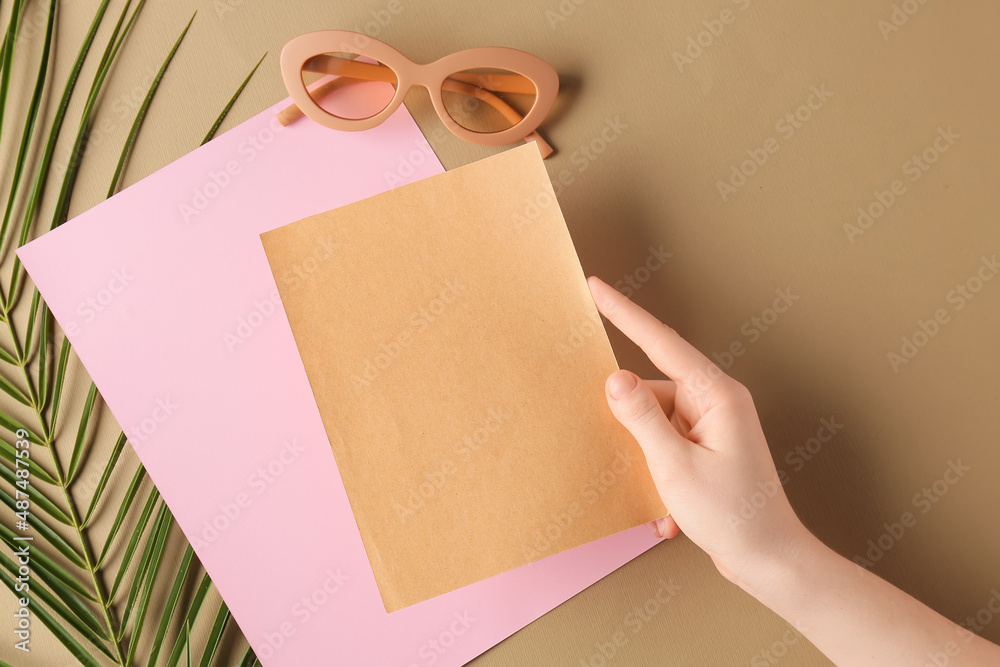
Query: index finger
{"type": "Point", "coordinates": [673, 355]}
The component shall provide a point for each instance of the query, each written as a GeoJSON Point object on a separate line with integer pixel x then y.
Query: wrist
{"type": "Point", "coordinates": [775, 575]}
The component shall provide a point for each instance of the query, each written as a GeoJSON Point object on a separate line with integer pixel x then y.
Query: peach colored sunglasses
{"type": "Point", "coordinates": [349, 81]}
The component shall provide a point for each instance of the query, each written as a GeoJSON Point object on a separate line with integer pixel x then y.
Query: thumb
{"type": "Point", "coordinates": [634, 404]}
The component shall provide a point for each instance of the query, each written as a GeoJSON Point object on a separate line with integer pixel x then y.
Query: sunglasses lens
{"type": "Point", "coordinates": [349, 85]}
{"type": "Point", "coordinates": [488, 100]}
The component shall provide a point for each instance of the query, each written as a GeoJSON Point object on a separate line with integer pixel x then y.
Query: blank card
{"type": "Point", "coordinates": [458, 362]}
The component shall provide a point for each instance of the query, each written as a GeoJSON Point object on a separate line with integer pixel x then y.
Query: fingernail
{"type": "Point", "coordinates": [620, 384]}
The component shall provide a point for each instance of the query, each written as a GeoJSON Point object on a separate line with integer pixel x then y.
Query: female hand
{"type": "Point", "coordinates": [704, 447]}
{"type": "Point", "coordinates": [708, 457]}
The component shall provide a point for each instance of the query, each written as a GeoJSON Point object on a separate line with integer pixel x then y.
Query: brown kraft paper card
{"type": "Point", "coordinates": [458, 362]}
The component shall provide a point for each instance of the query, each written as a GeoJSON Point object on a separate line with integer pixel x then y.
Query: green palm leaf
{"type": "Point", "coordinates": [14, 426]}
{"type": "Point", "coordinates": [221, 619]}
{"type": "Point", "coordinates": [64, 637]}
{"type": "Point", "coordinates": [229, 105]}
{"type": "Point", "coordinates": [97, 626]}
{"type": "Point", "coordinates": [42, 173]}
{"type": "Point", "coordinates": [59, 382]}
{"type": "Point", "coordinates": [7, 55]}
{"type": "Point", "coordinates": [248, 659]}
{"type": "Point", "coordinates": [79, 618]}
{"type": "Point", "coordinates": [44, 340]}
{"type": "Point", "coordinates": [9, 453]}
{"type": "Point", "coordinates": [54, 574]}
{"type": "Point", "coordinates": [140, 116]}
{"type": "Point", "coordinates": [153, 571]}
{"type": "Point", "coordinates": [38, 498]}
{"type": "Point", "coordinates": [133, 488]}
{"type": "Point", "coordinates": [7, 356]}
{"type": "Point", "coordinates": [57, 541]}
{"type": "Point", "coordinates": [81, 434]}
{"type": "Point", "coordinates": [184, 641]}
{"type": "Point", "coordinates": [105, 476]}
{"type": "Point", "coordinates": [168, 610]}
{"type": "Point", "coordinates": [144, 559]}
{"type": "Point", "coordinates": [32, 118]}
{"type": "Point", "coordinates": [8, 388]}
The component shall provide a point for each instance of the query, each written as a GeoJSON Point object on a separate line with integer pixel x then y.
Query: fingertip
{"type": "Point", "coordinates": [620, 384]}
{"type": "Point", "coordinates": [667, 528]}
{"type": "Point", "coordinates": [606, 297]}
{"type": "Point", "coordinates": [595, 284]}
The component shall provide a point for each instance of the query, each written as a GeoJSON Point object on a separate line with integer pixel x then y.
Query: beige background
{"type": "Point", "coordinates": [653, 182]}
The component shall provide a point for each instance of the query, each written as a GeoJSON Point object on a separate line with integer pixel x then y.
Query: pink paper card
{"type": "Point", "coordinates": [196, 360]}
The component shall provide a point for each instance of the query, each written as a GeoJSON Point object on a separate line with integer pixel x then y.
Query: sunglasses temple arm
{"type": "Point", "coordinates": [457, 86]}
{"type": "Point", "coordinates": [347, 71]}
{"type": "Point", "coordinates": [292, 112]}
{"type": "Point", "coordinates": [544, 147]}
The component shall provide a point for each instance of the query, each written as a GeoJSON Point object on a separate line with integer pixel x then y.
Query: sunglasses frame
{"type": "Point", "coordinates": [431, 76]}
